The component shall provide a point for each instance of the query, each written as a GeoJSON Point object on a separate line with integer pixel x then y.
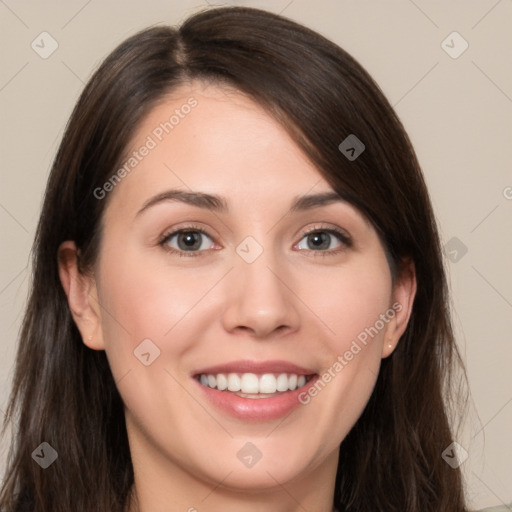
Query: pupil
{"type": "Point", "coordinates": [190, 240]}
{"type": "Point", "coordinates": [320, 240]}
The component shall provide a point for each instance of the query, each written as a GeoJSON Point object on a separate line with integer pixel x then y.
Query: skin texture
{"type": "Point", "coordinates": [293, 303]}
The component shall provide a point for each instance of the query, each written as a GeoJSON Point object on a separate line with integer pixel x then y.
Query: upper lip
{"type": "Point", "coordinates": [260, 367]}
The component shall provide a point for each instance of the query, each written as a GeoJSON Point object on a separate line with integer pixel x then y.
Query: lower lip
{"type": "Point", "coordinates": [255, 409]}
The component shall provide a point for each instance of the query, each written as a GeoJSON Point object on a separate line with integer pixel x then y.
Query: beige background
{"type": "Point", "coordinates": [457, 112]}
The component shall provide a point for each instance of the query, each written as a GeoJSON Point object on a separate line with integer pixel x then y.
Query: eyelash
{"type": "Point", "coordinates": [342, 237]}
{"type": "Point", "coordinates": [166, 237]}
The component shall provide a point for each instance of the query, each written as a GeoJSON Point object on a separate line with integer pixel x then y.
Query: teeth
{"type": "Point", "coordinates": [250, 383]}
{"type": "Point", "coordinates": [222, 382]}
{"type": "Point", "coordinates": [234, 382]}
{"type": "Point", "coordinates": [282, 382]}
{"type": "Point", "coordinates": [267, 384]}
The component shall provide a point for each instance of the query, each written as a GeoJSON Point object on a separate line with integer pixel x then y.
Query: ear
{"type": "Point", "coordinates": [82, 296]}
{"type": "Point", "coordinates": [404, 291]}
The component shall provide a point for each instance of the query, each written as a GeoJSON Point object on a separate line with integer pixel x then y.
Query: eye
{"type": "Point", "coordinates": [187, 240]}
{"type": "Point", "coordinates": [323, 240]}
{"type": "Point", "coordinates": [193, 241]}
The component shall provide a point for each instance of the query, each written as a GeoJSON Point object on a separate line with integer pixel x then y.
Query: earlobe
{"type": "Point", "coordinates": [404, 292]}
{"type": "Point", "coordinates": [80, 290]}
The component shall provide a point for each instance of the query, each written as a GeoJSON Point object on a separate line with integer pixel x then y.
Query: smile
{"type": "Point", "coordinates": [251, 385]}
{"type": "Point", "coordinates": [254, 391]}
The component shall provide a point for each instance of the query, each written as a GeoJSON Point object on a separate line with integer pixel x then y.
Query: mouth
{"type": "Point", "coordinates": [252, 385]}
{"type": "Point", "coordinates": [255, 391]}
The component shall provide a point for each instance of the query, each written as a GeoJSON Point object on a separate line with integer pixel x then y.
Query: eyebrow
{"type": "Point", "coordinates": [219, 204]}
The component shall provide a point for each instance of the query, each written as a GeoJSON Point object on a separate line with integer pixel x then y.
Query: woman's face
{"type": "Point", "coordinates": [264, 289]}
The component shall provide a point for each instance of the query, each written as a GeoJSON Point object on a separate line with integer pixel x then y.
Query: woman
{"type": "Point", "coordinates": [238, 299]}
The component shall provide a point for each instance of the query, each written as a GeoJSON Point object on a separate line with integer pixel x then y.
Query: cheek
{"type": "Point", "coordinates": [158, 303]}
{"type": "Point", "coordinates": [153, 301]}
{"type": "Point", "coordinates": [350, 305]}
{"type": "Point", "coordinates": [350, 302]}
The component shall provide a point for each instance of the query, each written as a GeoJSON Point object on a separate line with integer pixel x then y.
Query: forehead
{"type": "Point", "coordinates": [218, 140]}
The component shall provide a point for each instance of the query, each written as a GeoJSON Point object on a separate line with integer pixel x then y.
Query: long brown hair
{"type": "Point", "coordinates": [64, 393]}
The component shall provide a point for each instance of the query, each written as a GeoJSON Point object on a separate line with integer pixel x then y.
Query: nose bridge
{"type": "Point", "coordinates": [259, 297]}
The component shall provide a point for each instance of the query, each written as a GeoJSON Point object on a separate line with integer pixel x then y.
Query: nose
{"type": "Point", "coordinates": [260, 299]}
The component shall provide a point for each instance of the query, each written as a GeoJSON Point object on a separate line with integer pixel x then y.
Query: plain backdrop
{"type": "Point", "coordinates": [455, 102]}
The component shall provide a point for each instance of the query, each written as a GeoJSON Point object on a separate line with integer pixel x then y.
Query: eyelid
{"type": "Point", "coordinates": [168, 234]}
{"type": "Point", "coordinates": [344, 235]}
{"type": "Point", "coordinates": [187, 227]}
